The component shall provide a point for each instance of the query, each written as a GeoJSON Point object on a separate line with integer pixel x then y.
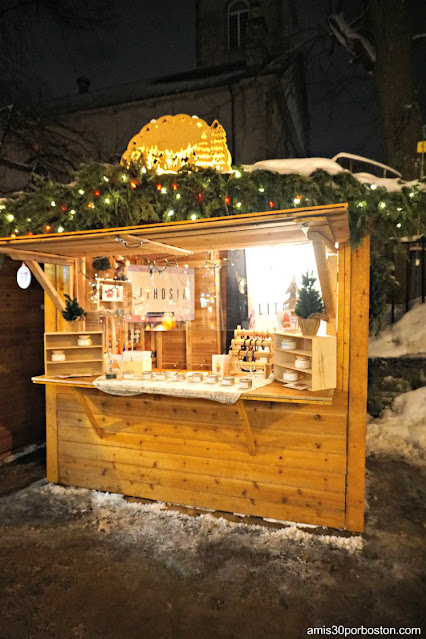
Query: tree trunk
{"type": "Point", "coordinates": [401, 119]}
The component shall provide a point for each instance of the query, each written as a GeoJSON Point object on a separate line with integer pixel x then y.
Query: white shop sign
{"type": "Point", "coordinates": [23, 276]}
{"type": "Point", "coordinates": [171, 292]}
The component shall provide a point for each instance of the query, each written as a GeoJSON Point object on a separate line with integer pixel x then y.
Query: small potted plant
{"type": "Point", "coordinates": [73, 313]}
{"type": "Point", "coordinates": [309, 306]}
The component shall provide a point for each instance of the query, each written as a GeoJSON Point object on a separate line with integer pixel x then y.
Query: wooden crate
{"type": "Point", "coordinates": [83, 360]}
{"type": "Point", "coordinates": [321, 349]}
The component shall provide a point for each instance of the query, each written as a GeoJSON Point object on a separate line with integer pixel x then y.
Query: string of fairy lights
{"type": "Point", "coordinates": [190, 196]}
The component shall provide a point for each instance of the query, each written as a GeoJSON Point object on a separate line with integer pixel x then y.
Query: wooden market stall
{"type": "Point", "coordinates": [294, 455]}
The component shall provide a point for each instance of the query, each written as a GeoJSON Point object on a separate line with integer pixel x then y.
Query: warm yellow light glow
{"type": "Point", "coordinates": [173, 141]}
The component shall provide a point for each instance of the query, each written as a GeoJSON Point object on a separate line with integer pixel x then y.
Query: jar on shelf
{"type": "Point", "coordinates": [288, 344]}
{"type": "Point", "coordinates": [302, 361]}
{"type": "Point", "coordinates": [290, 376]}
{"type": "Point", "coordinates": [84, 340]}
{"type": "Point", "coordinates": [58, 356]}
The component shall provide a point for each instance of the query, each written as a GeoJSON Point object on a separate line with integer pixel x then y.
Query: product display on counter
{"type": "Point", "coordinates": [225, 392]}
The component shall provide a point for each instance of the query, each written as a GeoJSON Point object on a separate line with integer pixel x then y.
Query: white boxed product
{"type": "Point", "coordinates": [141, 360]}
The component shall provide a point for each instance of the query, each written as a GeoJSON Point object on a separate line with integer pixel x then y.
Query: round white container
{"type": "Point", "coordinates": [128, 375]}
{"type": "Point", "coordinates": [290, 376]}
{"type": "Point", "coordinates": [245, 382]}
{"type": "Point", "coordinates": [58, 356]}
{"type": "Point", "coordinates": [212, 379]}
{"type": "Point", "coordinates": [146, 375]}
{"type": "Point", "coordinates": [84, 340]}
{"type": "Point", "coordinates": [197, 377]}
{"type": "Point", "coordinates": [288, 344]}
{"type": "Point", "coordinates": [302, 362]}
{"type": "Point", "coordinates": [160, 377]}
{"type": "Point", "coordinates": [228, 381]}
{"type": "Point", "coordinates": [180, 377]}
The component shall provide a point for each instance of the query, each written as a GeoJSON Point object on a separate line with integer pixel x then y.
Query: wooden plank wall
{"type": "Point", "coordinates": [194, 452]}
{"type": "Point", "coordinates": [21, 356]}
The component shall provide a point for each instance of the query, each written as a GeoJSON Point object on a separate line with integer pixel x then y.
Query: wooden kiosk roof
{"type": "Point", "coordinates": [328, 224]}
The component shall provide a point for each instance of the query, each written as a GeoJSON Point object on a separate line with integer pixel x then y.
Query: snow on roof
{"type": "Point", "coordinates": [306, 166]}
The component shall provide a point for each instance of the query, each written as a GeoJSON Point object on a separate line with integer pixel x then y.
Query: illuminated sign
{"type": "Point", "coordinates": [174, 141]}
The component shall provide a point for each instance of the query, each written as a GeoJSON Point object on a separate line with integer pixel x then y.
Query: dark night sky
{"type": "Point", "coordinates": [144, 40]}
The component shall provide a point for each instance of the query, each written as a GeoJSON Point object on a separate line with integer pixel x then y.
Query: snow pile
{"type": "Point", "coordinates": [407, 336]}
{"type": "Point", "coordinates": [401, 429]}
{"type": "Point", "coordinates": [26, 451]}
{"type": "Point", "coordinates": [170, 532]}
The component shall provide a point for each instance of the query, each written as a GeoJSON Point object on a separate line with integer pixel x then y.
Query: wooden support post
{"type": "Point", "coordinates": [358, 362]}
{"type": "Point", "coordinates": [216, 256]}
{"type": "Point", "coordinates": [52, 473]}
{"type": "Point", "coordinates": [246, 426]}
{"type": "Point", "coordinates": [46, 284]}
{"type": "Point", "coordinates": [324, 279]}
{"type": "Point", "coordinates": [332, 268]}
{"type": "Point", "coordinates": [82, 400]}
{"type": "Point", "coordinates": [188, 345]}
{"type": "Point", "coordinates": [159, 349]}
{"type": "Point", "coordinates": [41, 258]}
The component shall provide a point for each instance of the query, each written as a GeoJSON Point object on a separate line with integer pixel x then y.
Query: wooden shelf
{"type": "Point", "coordinates": [73, 361]}
{"type": "Point", "coordinates": [280, 379]}
{"type": "Point", "coordinates": [294, 368]}
{"type": "Point", "coordinates": [297, 351]}
{"type": "Point", "coordinates": [64, 348]}
{"type": "Point", "coordinates": [78, 359]}
{"type": "Point", "coordinates": [320, 349]}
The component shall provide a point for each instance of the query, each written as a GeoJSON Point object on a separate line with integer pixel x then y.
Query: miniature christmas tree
{"type": "Point", "coordinates": [309, 300]}
{"type": "Point", "coordinates": [290, 302]}
{"type": "Point", "coordinates": [72, 310]}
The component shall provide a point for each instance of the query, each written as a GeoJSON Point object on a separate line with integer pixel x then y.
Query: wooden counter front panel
{"type": "Point", "coordinates": [193, 452]}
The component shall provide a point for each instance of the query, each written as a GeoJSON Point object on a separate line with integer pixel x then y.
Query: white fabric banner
{"type": "Point", "coordinates": [170, 292]}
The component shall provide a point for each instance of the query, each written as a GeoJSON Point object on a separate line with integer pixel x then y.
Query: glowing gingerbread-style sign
{"type": "Point", "coordinates": [174, 141]}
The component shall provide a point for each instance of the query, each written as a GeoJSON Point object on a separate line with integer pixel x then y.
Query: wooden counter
{"type": "Point", "coordinates": [196, 452]}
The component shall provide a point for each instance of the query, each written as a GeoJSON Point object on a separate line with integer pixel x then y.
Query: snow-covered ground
{"type": "Point", "coordinates": [401, 429]}
{"type": "Point", "coordinates": [113, 514]}
{"type": "Point", "coordinates": [405, 337]}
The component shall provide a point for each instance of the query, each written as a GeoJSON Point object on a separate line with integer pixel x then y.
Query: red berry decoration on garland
{"type": "Point", "coordinates": [133, 184]}
{"type": "Point", "coordinates": [96, 193]}
{"type": "Point", "coordinates": [174, 186]}
{"type": "Point", "coordinates": [64, 208]}
{"type": "Point", "coordinates": [158, 187]}
{"type": "Point", "coordinates": [200, 197]}
{"type": "Point", "coordinates": [48, 228]}
{"type": "Point", "coordinates": [227, 199]}
{"type": "Point", "coordinates": [271, 204]}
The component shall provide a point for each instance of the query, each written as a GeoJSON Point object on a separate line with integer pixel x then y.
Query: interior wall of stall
{"type": "Point", "coordinates": [188, 346]}
{"type": "Point", "coordinates": [22, 416]}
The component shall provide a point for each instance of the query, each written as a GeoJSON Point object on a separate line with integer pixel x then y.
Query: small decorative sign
{"type": "Point", "coordinates": [112, 293]}
{"type": "Point", "coordinates": [23, 276]}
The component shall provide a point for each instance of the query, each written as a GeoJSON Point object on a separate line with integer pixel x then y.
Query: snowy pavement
{"type": "Point", "coordinates": [80, 564]}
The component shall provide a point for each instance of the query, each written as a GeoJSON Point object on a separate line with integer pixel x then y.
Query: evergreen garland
{"type": "Point", "coordinates": [107, 196]}
{"type": "Point", "coordinates": [309, 299]}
